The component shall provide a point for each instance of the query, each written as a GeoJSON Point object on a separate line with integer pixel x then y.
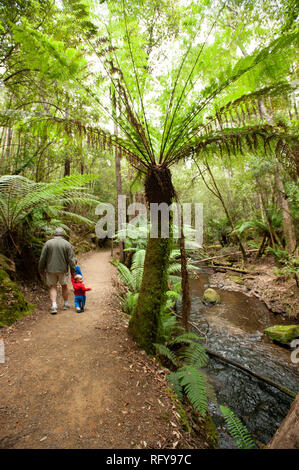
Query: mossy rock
{"type": "Point", "coordinates": [13, 304]}
{"type": "Point", "coordinates": [210, 296]}
{"type": "Point", "coordinates": [283, 334]}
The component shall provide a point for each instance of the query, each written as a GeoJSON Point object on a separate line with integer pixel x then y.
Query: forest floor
{"type": "Point", "coordinates": [79, 381]}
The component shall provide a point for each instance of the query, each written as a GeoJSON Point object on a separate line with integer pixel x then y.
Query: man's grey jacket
{"type": "Point", "coordinates": [57, 256]}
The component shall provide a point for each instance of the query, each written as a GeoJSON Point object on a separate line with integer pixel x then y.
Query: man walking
{"type": "Point", "coordinates": [56, 258]}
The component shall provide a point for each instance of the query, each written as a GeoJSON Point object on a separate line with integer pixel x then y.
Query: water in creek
{"type": "Point", "coordinates": [234, 329]}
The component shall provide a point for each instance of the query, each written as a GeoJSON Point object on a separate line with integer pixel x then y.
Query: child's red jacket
{"type": "Point", "coordinates": [79, 287]}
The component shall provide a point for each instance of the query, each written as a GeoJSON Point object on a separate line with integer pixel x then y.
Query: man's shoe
{"type": "Point", "coordinates": [66, 306]}
{"type": "Point", "coordinates": [53, 311]}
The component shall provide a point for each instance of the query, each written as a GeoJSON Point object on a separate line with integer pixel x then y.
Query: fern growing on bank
{"type": "Point", "coordinates": [237, 429]}
{"type": "Point", "coordinates": [189, 380]}
{"type": "Point", "coordinates": [188, 356]}
{"type": "Point", "coordinates": [197, 388]}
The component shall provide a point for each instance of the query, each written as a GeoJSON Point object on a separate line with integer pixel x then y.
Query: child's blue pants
{"type": "Point", "coordinates": [80, 301]}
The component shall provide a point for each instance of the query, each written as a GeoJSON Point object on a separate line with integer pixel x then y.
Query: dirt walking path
{"type": "Point", "coordinates": [78, 381]}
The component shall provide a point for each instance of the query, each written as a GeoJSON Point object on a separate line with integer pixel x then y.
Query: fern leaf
{"type": "Point", "coordinates": [165, 351]}
{"type": "Point", "coordinates": [194, 355]}
{"type": "Point", "coordinates": [125, 276]}
{"type": "Point", "coordinates": [186, 338]}
{"type": "Point", "coordinates": [138, 259]}
{"type": "Point", "coordinates": [174, 268]}
{"type": "Point", "coordinates": [196, 387]}
{"type": "Point", "coordinates": [237, 429]}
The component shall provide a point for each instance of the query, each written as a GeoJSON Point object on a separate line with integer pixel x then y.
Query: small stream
{"type": "Point", "coordinates": [234, 329]}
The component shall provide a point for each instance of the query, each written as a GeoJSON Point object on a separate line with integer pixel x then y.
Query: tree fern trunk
{"type": "Point", "coordinates": [145, 321]}
{"type": "Point", "coordinates": [186, 302]}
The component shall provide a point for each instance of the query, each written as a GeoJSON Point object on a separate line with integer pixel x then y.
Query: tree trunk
{"type": "Point", "coordinates": [8, 148]}
{"type": "Point", "coordinates": [262, 247]}
{"type": "Point", "coordinates": [67, 161]}
{"type": "Point", "coordinates": [287, 435]}
{"type": "Point", "coordinates": [145, 321]}
{"type": "Point", "coordinates": [186, 302]}
{"type": "Point", "coordinates": [266, 213]}
{"type": "Point", "coordinates": [117, 168]}
{"type": "Point", "coordinates": [287, 220]}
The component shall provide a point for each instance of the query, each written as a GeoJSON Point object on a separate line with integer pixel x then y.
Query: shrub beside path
{"type": "Point", "coordinates": [78, 381]}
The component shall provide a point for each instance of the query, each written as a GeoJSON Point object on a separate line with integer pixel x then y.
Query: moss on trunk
{"type": "Point", "coordinates": [144, 324]}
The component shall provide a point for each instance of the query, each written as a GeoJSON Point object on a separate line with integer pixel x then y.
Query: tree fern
{"type": "Point", "coordinates": [237, 429]}
{"type": "Point", "coordinates": [23, 201]}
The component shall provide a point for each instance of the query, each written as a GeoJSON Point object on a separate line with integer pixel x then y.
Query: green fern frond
{"type": "Point", "coordinates": [196, 387]}
{"type": "Point", "coordinates": [174, 254]}
{"type": "Point", "coordinates": [165, 351]}
{"type": "Point", "coordinates": [126, 276]}
{"type": "Point", "coordinates": [138, 259]}
{"type": "Point", "coordinates": [174, 279]}
{"type": "Point", "coordinates": [186, 338]}
{"type": "Point", "coordinates": [21, 199]}
{"type": "Point", "coordinates": [170, 327]}
{"type": "Point", "coordinates": [77, 218]}
{"type": "Point", "coordinates": [194, 355]}
{"type": "Point", "coordinates": [130, 302]}
{"type": "Point", "coordinates": [237, 429]}
{"type": "Point", "coordinates": [174, 268]}
{"type": "Point", "coordinates": [137, 274]}
{"type": "Point", "coordinates": [171, 294]}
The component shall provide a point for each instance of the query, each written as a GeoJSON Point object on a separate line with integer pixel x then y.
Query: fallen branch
{"type": "Point", "coordinates": [248, 371]}
{"type": "Point", "coordinates": [222, 256]}
{"type": "Point", "coordinates": [231, 268]}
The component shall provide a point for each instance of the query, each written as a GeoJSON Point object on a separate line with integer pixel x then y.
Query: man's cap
{"type": "Point", "coordinates": [59, 232]}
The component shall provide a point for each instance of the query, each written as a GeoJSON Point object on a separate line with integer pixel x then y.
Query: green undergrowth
{"type": "Point", "coordinates": [13, 304]}
{"type": "Point", "coordinates": [192, 422]}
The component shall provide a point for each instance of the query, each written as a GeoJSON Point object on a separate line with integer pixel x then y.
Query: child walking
{"type": "Point", "coordinates": [79, 291]}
